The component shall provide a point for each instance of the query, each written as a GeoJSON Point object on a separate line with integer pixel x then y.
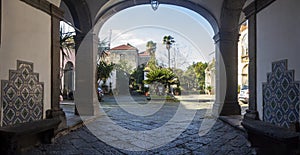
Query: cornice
{"type": "Point", "coordinates": [256, 6]}
{"type": "Point", "coordinates": [226, 36]}
{"type": "Point", "coordinates": [46, 7]}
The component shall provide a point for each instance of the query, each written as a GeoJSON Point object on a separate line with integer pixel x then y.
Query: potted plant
{"type": "Point", "coordinates": [177, 91]}
{"type": "Point", "coordinates": [209, 88]}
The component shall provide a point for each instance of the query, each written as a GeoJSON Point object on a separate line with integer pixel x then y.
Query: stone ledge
{"type": "Point", "coordinates": [234, 120]}
{"type": "Point", "coordinates": [17, 138]}
{"type": "Point", "coordinates": [271, 139]}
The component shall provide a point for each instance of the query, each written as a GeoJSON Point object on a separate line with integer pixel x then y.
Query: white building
{"type": "Point", "coordinates": [127, 56]}
{"type": "Point", "coordinates": [243, 58]}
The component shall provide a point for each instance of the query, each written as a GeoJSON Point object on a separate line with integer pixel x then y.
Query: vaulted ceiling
{"type": "Point", "coordinates": [213, 6]}
{"type": "Point", "coordinates": [215, 11]}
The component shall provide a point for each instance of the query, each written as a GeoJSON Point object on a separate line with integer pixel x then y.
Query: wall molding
{"type": "Point", "coordinates": [256, 6]}
{"type": "Point", "coordinates": [46, 7]}
{"type": "Point", "coordinates": [226, 36]}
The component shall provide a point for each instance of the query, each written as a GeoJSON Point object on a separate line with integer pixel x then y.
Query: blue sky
{"type": "Point", "coordinates": [139, 24]}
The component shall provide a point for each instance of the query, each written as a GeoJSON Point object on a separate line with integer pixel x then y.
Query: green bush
{"type": "Point", "coordinates": [202, 91]}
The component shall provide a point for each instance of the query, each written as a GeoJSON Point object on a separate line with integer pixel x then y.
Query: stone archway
{"type": "Point", "coordinates": [226, 38]}
{"type": "Point", "coordinates": [81, 15]}
{"type": "Point", "coordinates": [112, 8]}
{"type": "Point", "coordinates": [68, 81]}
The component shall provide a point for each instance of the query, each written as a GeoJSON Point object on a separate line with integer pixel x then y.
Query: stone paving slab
{"type": "Point", "coordinates": [197, 138]}
{"type": "Point", "coordinates": [225, 140]}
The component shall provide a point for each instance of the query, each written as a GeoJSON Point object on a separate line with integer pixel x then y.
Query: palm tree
{"type": "Point", "coordinates": [168, 41]}
{"type": "Point", "coordinates": [104, 68]}
{"type": "Point", "coordinates": [170, 78]}
{"type": "Point", "coordinates": [151, 46]}
{"type": "Point", "coordinates": [103, 47]}
{"type": "Point", "coordinates": [162, 75]}
{"type": "Point", "coordinates": [66, 42]}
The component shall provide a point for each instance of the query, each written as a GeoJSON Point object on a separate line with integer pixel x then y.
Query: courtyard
{"type": "Point", "coordinates": [259, 34]}
{"type": "Point", "coordinates": [134, 125]}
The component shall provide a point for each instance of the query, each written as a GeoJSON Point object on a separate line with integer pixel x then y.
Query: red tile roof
{"type": "Point", "coordinates": [124, 47]}
{"type": "Point", "coordinates": [145, 53]}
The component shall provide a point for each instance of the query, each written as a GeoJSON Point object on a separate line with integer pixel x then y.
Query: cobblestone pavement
{"type": "Point", "coordinates": [126, 133]}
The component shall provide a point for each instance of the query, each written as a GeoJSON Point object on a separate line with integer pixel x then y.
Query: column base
{"type": "Point", "coordinates": [58, 113]}
{"type": "Point", "coordinates": [251, 114]}
{"type": "Point", "coordinates": [226, 109]}
{"type": "Point", "coordinates": [76, 111]}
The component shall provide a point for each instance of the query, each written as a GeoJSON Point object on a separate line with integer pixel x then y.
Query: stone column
{"type": "Point", "coordinates": [56, 111]}
{"type": "Point", "coordinates": [85, 94]}
{"type": "Point", "coordinates": [250, 13]}
{"type": "Point", "coordinates": [226, 74]}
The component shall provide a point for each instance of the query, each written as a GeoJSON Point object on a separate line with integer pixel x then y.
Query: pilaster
{"type": "Point", "coordinates": [250, 11]}
{"type": "Point", "coordinates": [86, 93]}
{"type": "Point", "coordinates": [56, 15]}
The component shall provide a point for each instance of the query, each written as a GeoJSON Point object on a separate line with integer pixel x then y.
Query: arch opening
{"type": "Point", "coordinates": [68, 32]}
{"type": "Point", "coordinates": [126, 45]}
{"type": "Point", "coordinates": [186, 49]}
{"type": "Point", "coordinates": [111, 10]}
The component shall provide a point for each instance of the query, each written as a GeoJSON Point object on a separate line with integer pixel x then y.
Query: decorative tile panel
{"type": "Point", "coordinates": [22, 95]}
{"type": "Point", "coordinates": [281, 96]}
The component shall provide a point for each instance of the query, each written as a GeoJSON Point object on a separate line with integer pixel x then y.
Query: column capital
{"type": "Point", "coordinates": [56, 12]}
{"type": "Point", "coordinates": [226, 36]}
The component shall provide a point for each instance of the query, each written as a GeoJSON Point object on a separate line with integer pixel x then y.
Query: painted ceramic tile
{"type": "Point", "coordinates": [281, 96]}
{"type": "Point", "coordinates": [22, 95]}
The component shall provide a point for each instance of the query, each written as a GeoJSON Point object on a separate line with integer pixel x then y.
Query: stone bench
{"type": "Point", "coordinates": [17, 138]}
{"type": "Point", "coordinates": [268, 138]}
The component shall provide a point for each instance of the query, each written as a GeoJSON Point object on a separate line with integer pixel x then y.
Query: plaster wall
{"type": "Point", "coordinates": [277, 39]}
{"type": "Point", "coordinates": [26, 36]}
